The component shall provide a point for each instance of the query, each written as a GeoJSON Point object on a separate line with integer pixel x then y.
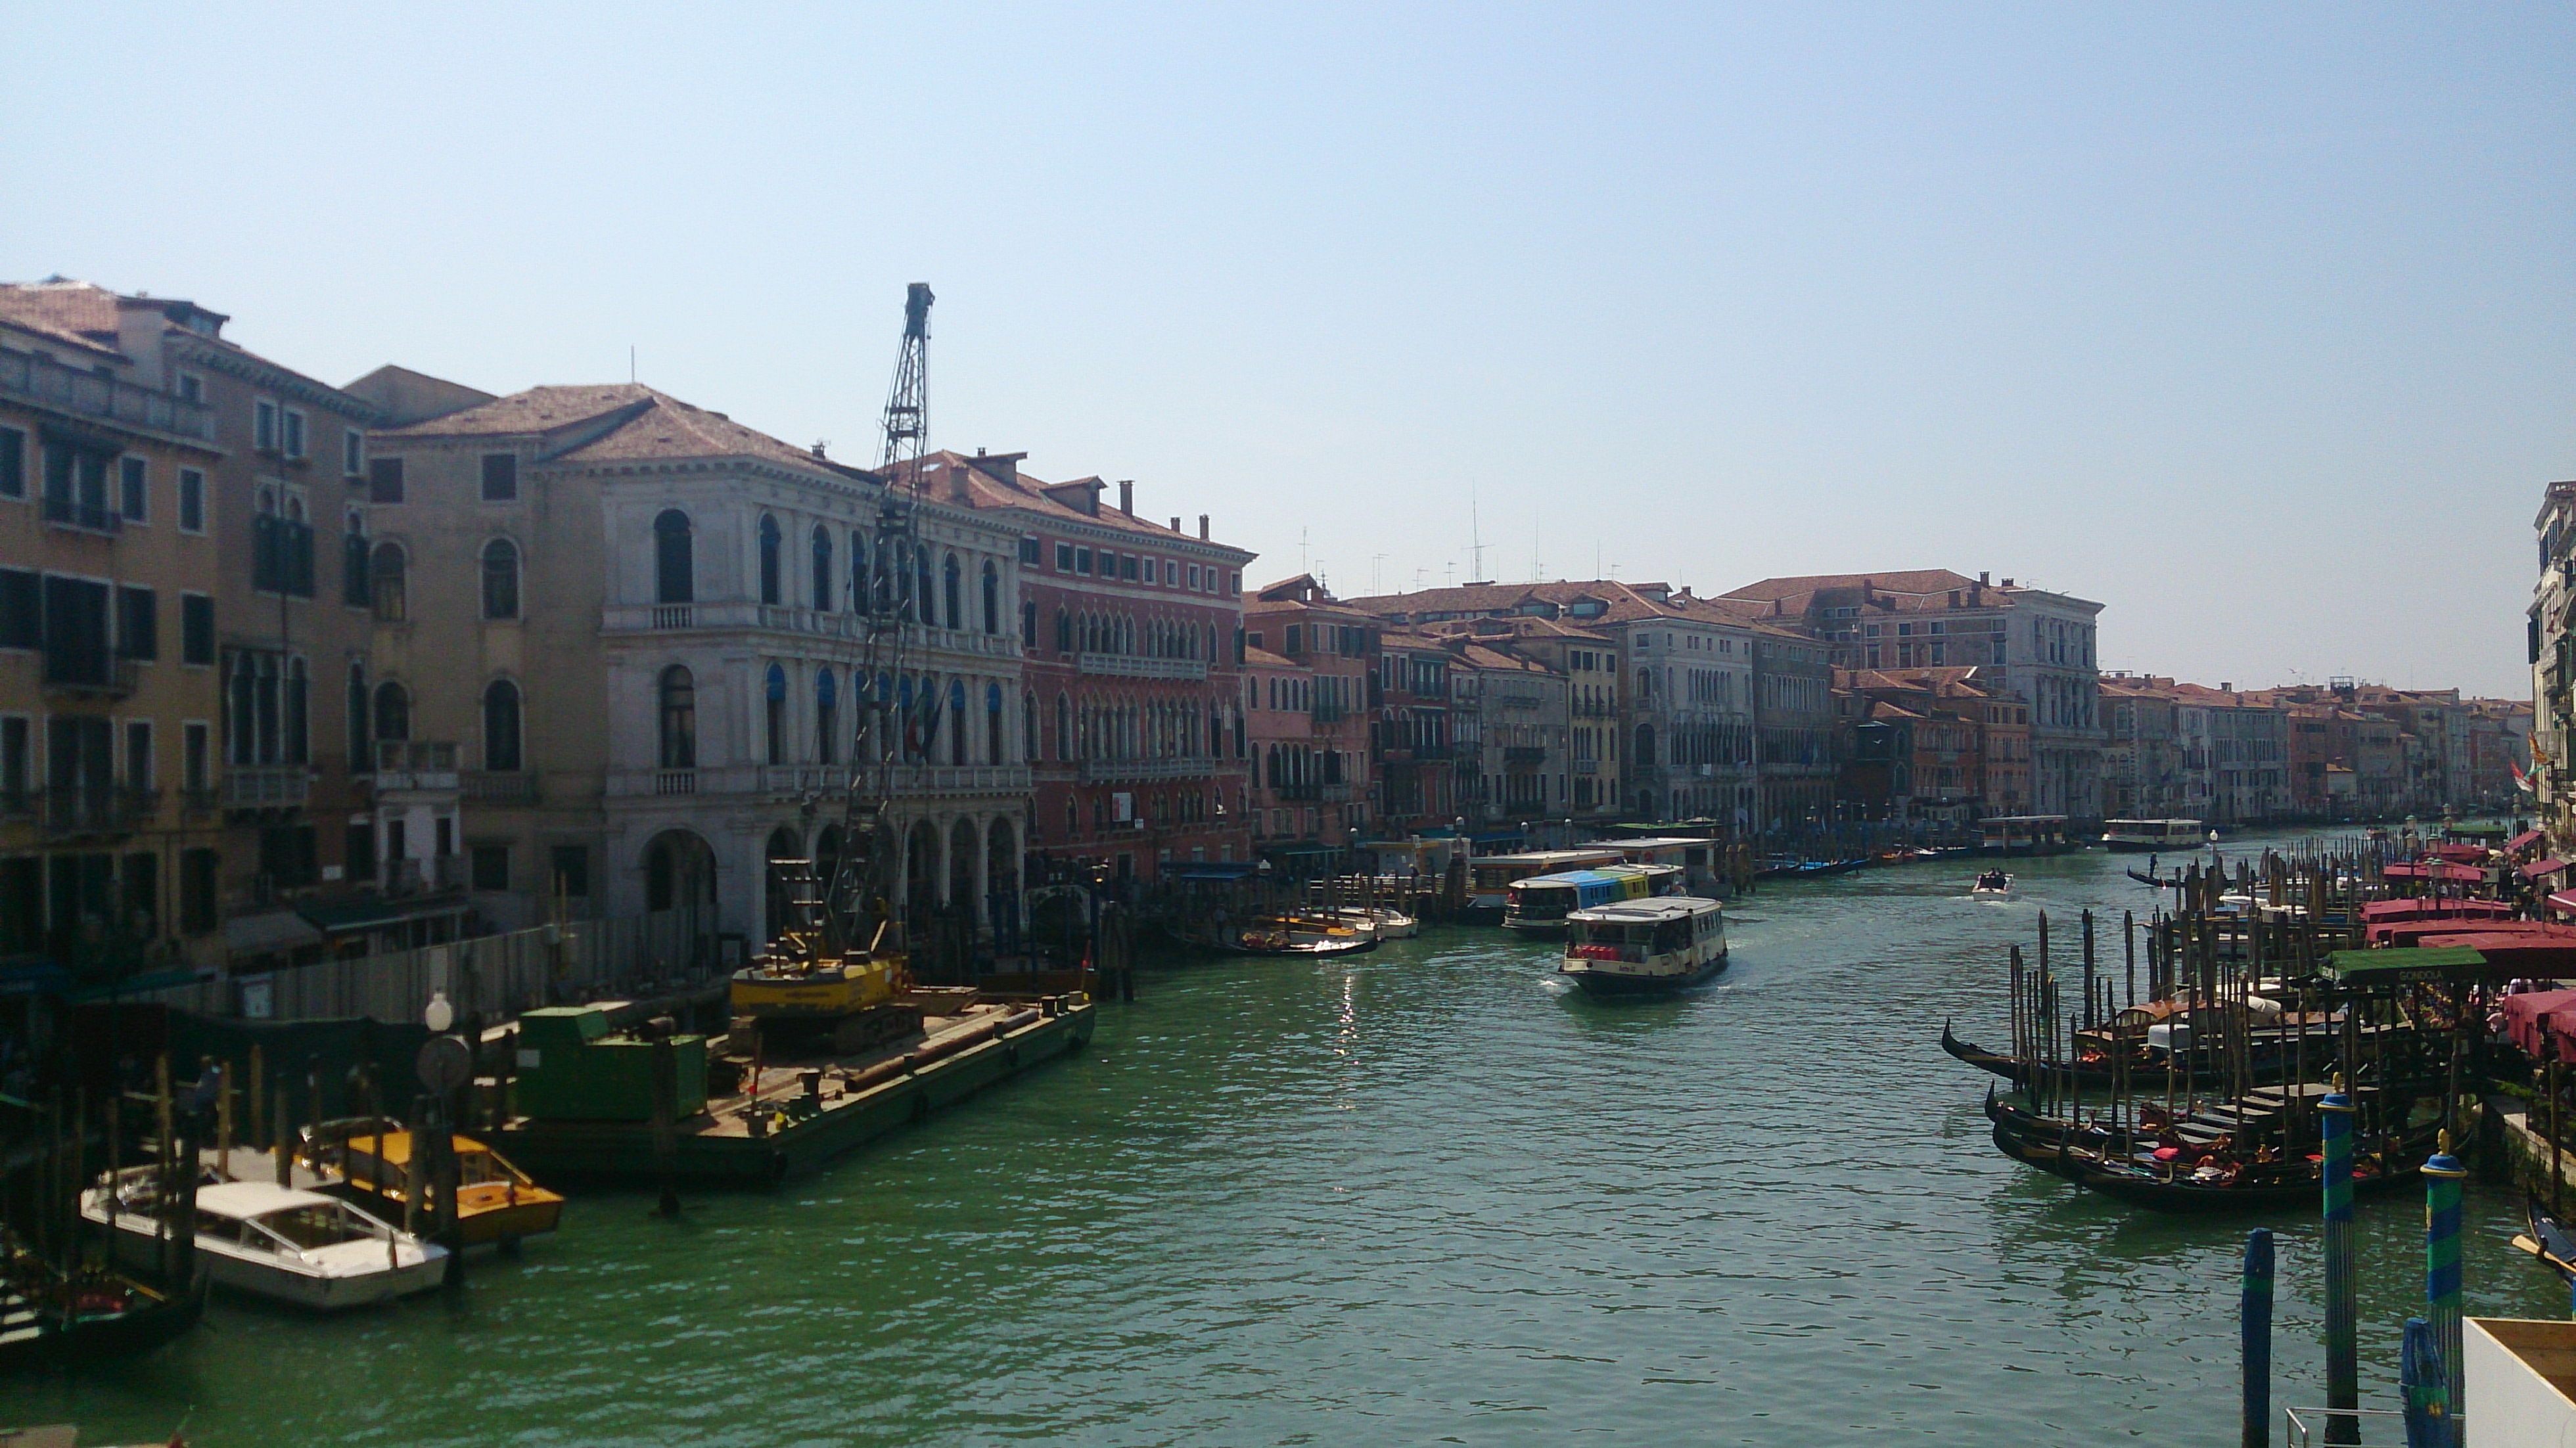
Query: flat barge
{"type": "Point", "coordinates": [781, 1117]}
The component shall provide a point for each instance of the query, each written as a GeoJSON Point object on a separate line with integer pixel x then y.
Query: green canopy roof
{"type": "Point", "coordinates": [2401, 964]}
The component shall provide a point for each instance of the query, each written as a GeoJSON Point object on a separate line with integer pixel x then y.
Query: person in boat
{"type": "Point", "coordinates": [1993, 880]}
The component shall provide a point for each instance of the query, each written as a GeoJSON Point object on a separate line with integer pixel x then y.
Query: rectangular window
{"type": "Point", "coordinates": [358, 851]}
{"type": "Point", "coordinates": [143, 892]}
{"type": "Point", "coordinates": [133, 490]}
{"type": "Point", "coordinates": [1171, 574]}
{"type": "Point", "coordinates": [353, 453]}
{"type": "Point", "coordinates": [1127, 567]}
{"type": "Point", "coordinates": [263, 426]}
{"type": "Point", "coordinates": [192, 388]}
{"type": "Point", "coordinates": [572, 870]}
{"type": "Point", "coordinates": [1194, 578]}
{"type": "Point", "coordinates": [500, 477]}
{"type": "Point", "coordinates": [76, 632]}
{"type": "Point", "coordinates": [1064, 558]}
{"type": "Point", "coordinates": [1233, 582]}
{"type": "Point", "coordinates": [13, 463]}
{"type": "Point", "coordinates": [138, 753]}
{"type": "Point", "coordinates": [192, 501]}
{"type": "Point", "coordinates": [195, 742]}
{"type": "Point", "coordinates": [384, 480]}
{"type": "Point", "coordinates": [1029, 552]}
{"type": "Point", "coordinates": [491, 865]}
{"type": "Point", "coordinates": [196, 629]}
{"type": "Point", "coordinates": [15, 732]}
{"type": "Point", "coordinates": [138, 623]}
{"type": "Point", "coordinates": [1082, 560]}
{"type": "Point", "coordinates": [22, 610]}
{"type": "Point", "coordinates": [294, 433]}
{"type": "Point", "coordinates": [198, 873]}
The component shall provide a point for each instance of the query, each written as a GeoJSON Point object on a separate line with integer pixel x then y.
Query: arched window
{"type": "Point", "coordinates": [949, 606]}
{"type": "Point", "coordinates": [361, 758]}
{"type": "Point", "coordinates": [1063, 631]}
{"type": "Point", "coordinates": [1029, 728]}
{"type": "Point", "coordinates": [895, 580]}
{"type": "Point", "coordinates": [393, 711]}
{"type": "Point", "coordinates": [385, 579]}
{"type": "Point", "coordinates": [827, 711]}
{"type": "Point", "coordinates": [822, 568]}
{"type": "Point", "coordinates": [675, 570]}
{"type": "Point", "coordinates": [858, 572]}
{"type": "Point", "coordinates": [992, 598]}
{"type": "Point", "coordinates": [500, 579]}
{"type": "Point", "coordinates": [887, 724]}
{"type": "Point", "coordinates": [957, 725]}
{"type": "Point", "coordinates": [1063, 728]}
{"type": "Point", "coordinates": [774, 714]}
{"type": "Point", "coordinates": [992, 724]}
{"type": "Point", "coordinates": [769, 582]}
{"type": "Point", "coordinates": [1645, 751]}
{"type": "Point", "coordinates": [921, 587]}
{"type": "Point", "coordinates": [679, 709]}
{"type": "Point", "coordinates": [501, 726]}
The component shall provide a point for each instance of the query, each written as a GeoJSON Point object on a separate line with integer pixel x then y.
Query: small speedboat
{"type": "Point", "coordinates": [1302, 935]}
{"type": "Point", "coordinates": [276, 1242]}
{"type": "Point", "coordinates": [1385, 921]}
{"type": "Point", "coordinates": [1992, 882]}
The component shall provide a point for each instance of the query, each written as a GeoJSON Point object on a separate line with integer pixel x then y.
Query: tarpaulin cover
{"type": "Point", "coordinates": [2522, 1015]}
{"type": "Point", "coordinates": [2372, 910]}
{"type": "Point", "coordinates": [2538, 868]}
{"type": "Point", "coordinates": [2520, 841]}
{"type": "Point", "coordinates": [2458, 854]}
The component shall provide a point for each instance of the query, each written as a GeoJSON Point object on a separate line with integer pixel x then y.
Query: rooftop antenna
{"type": "Point", "coordinates": [630, 361]}
{"type": "Point", "coordinates": [1303, 566]}
{"type": "Point", "coordinates": [1538, 538]}
{"type": "Point", "coordinates": [1374, 560]}
{"type": "Point", "coordinates": [1475, 533]}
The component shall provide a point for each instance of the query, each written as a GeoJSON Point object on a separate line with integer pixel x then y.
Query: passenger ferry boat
{"type": "Point", "coordinates": [1489, 877]}
{"type": "Point", "coordinates": [1639, 947]}
{"type": "Point", "coordinates": [2024, 835]}
{"type": "Point", "coordinates": [2141, 836]}
{"type": "Point", "coordinates": [1539, 904]}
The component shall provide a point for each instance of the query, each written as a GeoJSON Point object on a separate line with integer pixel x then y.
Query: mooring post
{"type": "Point", "coordinates": [2442, 1173]}
{"type": "Point", "coordinates": [2343, 1373]}
{"type": "Point", "coordinates": [2254, 1329]}
{"type": "Point", "coordinates": [2420, 1378]}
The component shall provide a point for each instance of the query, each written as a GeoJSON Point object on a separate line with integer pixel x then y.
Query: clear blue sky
{"type": "Point", "coordinates": [2256, 328]}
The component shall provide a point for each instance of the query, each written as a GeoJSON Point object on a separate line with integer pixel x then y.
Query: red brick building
{"type": "Point", "coordinates": [1132, 701]}
{"type": "Point", "coordinates": [1308, 667]}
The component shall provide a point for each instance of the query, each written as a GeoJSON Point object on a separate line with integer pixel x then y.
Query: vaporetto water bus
{"type": "Point", "coordinates": [2141, 836]}
{"type": "Point", "coordinates": [1640, 947]}
{"type": "Point", "coordinates": [1539, 904]}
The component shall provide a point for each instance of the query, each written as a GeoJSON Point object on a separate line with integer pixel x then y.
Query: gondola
{"type": "Point", "coordinates": [2046, 1142]}
{"type": "Point", "coordinates": [2546, 1241]}
{"type": "Point", "coordinates": [94, 1316]}
{"type": "Point", "coordinates": [2284, 1185]}
{"type": "Point", "coordinates": [2269, 1066]}
{"type": "Point", "coordinates": [2143, 878]}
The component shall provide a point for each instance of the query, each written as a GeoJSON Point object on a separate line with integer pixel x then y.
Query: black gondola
{"type": "Point", "coordinates": [94, 1316]}
{"type": "Point", "coordinates": [2546, 1241]}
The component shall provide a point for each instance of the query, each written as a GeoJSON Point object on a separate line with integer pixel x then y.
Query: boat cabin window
{"type": "Point", "coordinates": [319, 1225]}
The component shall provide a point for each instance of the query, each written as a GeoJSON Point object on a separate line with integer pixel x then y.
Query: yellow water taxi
{"type": "Point", "coordinates": [368, 1161]}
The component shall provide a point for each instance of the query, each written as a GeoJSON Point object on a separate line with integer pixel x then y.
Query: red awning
{"type": "Point", "coordinates": [2564, 900]}
{"type": "Point", "coordinates": [2416, 932]}
{"type": "Point", "coordinates": [2435, 870]}
{"type": "Point", "coordinates": [2374, 911]}
{"type": "Point", "coordinates": [2458, 854]}
{"type": "Point", "coordinates": [2522, 1021]}
{"type": "Point", "coordinates": [2543, 954]}
{"type": "Point", "coordinates": [2526, 838]}
{"type": "Point", "coordinates": [2538, 868]}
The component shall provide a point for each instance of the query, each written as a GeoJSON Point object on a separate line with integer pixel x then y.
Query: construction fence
{"type": "Point", "coordinates": [491, 976]}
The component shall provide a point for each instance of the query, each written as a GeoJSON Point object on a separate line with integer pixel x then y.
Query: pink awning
{"type": "Point", "coordinates": [2564, 900]}
{"type": "Point", "coordinates": [2521, 841]}
{"type": "Point", "coordinates": [2375, 911]}
{"type": "Point", "coordinates": [2458, 854]}
{"type": "Point", "coordinates": [2538, 868]}
{"type": "Point", "coordinates": [2522, 1020]}
{"type": "Point", "coordinates": [2535, 954]}
{"type": "Point", "coordinates": [2435, 870]}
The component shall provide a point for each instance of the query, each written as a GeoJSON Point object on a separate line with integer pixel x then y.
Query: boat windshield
{"type": "Point", "coordinates": [320, 1224]}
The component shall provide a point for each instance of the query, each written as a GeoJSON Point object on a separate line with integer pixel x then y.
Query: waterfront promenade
{"type": "Point", "coordinates": [1414, 1196]}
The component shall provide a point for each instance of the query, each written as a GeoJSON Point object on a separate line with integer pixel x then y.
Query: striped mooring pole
{"type": "Point", "coordinates": [2442, 1174]}
{"type": "Point", "coordinates": [2254, 1329]}
{"type": "Point", "coordinates": [2420, 1381]}
{"type": "Point", "coordinates": [2343, 1369]}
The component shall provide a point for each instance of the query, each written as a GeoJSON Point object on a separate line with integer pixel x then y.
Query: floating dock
{"type": "Point", "coordinates": [787, 1116]}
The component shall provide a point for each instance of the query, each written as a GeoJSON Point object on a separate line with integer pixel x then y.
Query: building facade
{"type": "Point", "coordinates": [1310, 666]}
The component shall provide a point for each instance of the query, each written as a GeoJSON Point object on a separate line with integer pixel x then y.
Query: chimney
{"type": "Point", "coordinates": [1203, 525]}
{"type": "Point", "coordinates": [1127, 496]}
{"type": "Point", "coordinates": [1981, 576]}
{"type": "Point", "coordinates": [1176, 522]}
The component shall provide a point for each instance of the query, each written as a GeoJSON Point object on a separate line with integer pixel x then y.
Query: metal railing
{"type": "Point", "coordinates": [52, 384]}
{"type": "Point", "coordinates": [256, 785]}
{"type": "Point", "coordinates": [804, 622]}
{"type": "Point", "coordinates": [408, 877]}
{"type": "Point", "coordinates": [2309, 1427]}
{"type": "Point", "coordinates": [415, 764]}
{"type": "Point", "coordinates": [496, 787]}
{"type": "Point", "coordinates": [1114, 770]}
{"type": "Point", "coordinates": [87, 517]}
{"type": "Point", "coordinates": [90, 672]}
{"type": "Point", "coordinates": [115, 810]}
{"type": "Point", "coordinates": [1139, 666]}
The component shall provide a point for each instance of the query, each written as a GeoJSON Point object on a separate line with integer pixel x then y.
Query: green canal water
{"type": "Point", "coordinates": [1419, 1197]}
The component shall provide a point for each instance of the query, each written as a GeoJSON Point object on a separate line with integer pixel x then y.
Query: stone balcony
{"type": "Point", "coordinates": [267, 786]}
{"type": "Point", "coordinates": [1138, 666]}
{"type": "Point", "coordinates": [628, 619]}
{"type": "Point", "coordinates": [793, 782]}
{"type": "Point", "coordinates": [1120, 771]}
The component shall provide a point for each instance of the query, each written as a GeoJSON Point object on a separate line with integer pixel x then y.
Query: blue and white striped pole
{"type": "Point", "coordinates": [2254, 1328]}
{"type": "Point", "coordinates": [2442, 1174]}
{"type": "Point", "coordinates": [2343, 1369]}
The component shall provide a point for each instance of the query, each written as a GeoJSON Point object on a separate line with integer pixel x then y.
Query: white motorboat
{"type": "Point", "coordinates": [1992, 882]}
{"type": "Point", "coordinates": [1387, 922]}
{"type": "Point", "coordinates": [277, 1242]}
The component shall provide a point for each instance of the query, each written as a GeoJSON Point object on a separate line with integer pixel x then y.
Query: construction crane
{"type": "Point", "coordinates": [841, 962]}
